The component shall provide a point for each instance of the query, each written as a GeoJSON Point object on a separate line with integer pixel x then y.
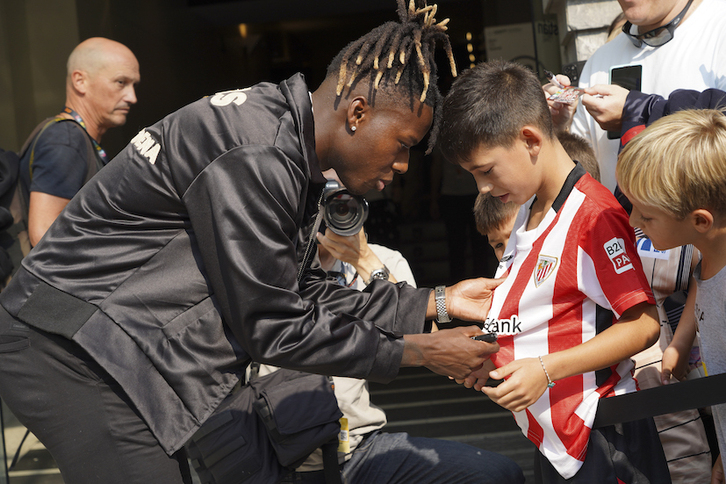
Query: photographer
{"type": "Point", "coordinates": [134, 316]}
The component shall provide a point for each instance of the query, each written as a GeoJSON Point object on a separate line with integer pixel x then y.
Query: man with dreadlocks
{"type": "Point", "coordinates": [186, 257]}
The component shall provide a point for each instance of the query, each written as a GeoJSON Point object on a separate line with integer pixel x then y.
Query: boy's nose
{"type": "Point", "coordinates": [485, 188]}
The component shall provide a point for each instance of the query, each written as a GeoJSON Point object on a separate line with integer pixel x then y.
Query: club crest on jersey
{"type": "Point", "coordinates": [614, 248]}
{"type": "Point", "coordinates": [545, 267]}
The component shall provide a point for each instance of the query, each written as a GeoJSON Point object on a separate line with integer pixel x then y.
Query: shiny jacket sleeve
{"type": "Point", "coordinates": [244, 210]}
{"type": "Point", "coordinates": [641, 110]}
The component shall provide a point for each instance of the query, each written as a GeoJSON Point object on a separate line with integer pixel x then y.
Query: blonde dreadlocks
{"type": "Point", "coordinates": [386, 52]}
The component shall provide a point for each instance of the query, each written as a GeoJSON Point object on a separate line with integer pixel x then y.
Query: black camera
{"type": "Point", "coordinates": [343, 212]}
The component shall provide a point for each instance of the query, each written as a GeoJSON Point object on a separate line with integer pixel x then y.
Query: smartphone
{"type": "Point", "coordinates": [630, 78]}
{"type": "Point", "coordinates": [488, 337]}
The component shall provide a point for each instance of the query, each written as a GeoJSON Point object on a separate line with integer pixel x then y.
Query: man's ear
{"type": "Point", "coordinates": [357, 113]}
{"type": "Point", "coordinates": [79, 81]}
{"type": "Point", "coordinates": [702, 220]}
{"type": "Point", "coordinates": [532, 138]}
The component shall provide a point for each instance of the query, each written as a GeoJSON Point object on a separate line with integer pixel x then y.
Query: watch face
{"type": "Point", "coordinates": [379, 274]}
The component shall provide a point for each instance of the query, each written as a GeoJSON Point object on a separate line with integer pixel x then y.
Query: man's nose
{"type": "Point", "coordinates": [401, 166]}
{"type": "Point", "coordinates": [130, 96]}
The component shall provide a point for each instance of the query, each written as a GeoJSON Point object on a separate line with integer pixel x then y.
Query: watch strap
{"type": "Point", "coordinates": [440, 298]}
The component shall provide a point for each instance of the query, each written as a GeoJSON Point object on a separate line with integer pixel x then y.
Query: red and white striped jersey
{"type": "Point", "coordinates": [567, 280]}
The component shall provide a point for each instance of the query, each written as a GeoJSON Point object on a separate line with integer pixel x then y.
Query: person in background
{"type": "Point", "coordinates": [100, 90]}
{"type": "Point", "coordinates": [679, 44]}
{"type": "Point", "coordinates": [453, 194]}
{"type": "Point", "coordinates": [495, 219]}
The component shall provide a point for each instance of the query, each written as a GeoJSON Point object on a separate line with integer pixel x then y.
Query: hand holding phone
{"type": "Point", "coordinates": [487, 337]}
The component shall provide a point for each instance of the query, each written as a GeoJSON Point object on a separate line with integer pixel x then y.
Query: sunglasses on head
{"type": "Point", "coordinates": [658, 36]}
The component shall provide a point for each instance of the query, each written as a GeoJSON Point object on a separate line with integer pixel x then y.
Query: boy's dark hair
{"type": "Point", "coordinates": [488, 105]}
{"type": "Point", "coordinates": [579, 149]}
{"type": "Point", "coordinates": [397, 60]}
{"type": "Point", "coordinates": [491, 213]}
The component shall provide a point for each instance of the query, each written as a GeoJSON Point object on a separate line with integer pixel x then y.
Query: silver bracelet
{"type": "Point", "coordinates": [550, 383]}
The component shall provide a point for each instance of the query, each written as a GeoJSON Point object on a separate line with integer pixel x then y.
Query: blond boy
{"type": "Point", "coordinates": [674, 174]}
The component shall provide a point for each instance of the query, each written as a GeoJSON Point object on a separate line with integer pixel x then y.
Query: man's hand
{"type": "Point", "coordinates": [562, 113]}
{"type": "Point", "coordinates": [477, 378]}
{"type": "Point", "coordinates": [605, 103]}
{"type": "Point", "coordinates": [470, 299]}
{"type": "Point", "coordinates": [449, 352]}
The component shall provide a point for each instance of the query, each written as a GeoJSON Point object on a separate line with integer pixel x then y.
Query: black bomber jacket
{"type": "Point", "coordinates": [177, 263]}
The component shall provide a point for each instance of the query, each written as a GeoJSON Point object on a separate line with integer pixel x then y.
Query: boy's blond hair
{"type": "Point", "coordinates": [678, 164]}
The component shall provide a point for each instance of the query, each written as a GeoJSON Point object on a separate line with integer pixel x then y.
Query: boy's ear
{"type": "Point", "coordinates": [532, 138]}
{"type": "Point", "coordinates": [702, 220]}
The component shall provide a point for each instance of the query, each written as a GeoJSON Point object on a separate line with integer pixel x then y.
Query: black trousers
{"type": "Point", "coordinates": [79, 412]}
{"type": "Point", "coordinates": [624, 453]}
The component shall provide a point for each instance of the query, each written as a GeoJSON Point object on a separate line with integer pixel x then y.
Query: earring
{"type": "Point", "coordinates": [353, 128]}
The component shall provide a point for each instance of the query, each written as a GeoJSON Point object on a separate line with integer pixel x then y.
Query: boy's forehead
{"type": "Point", "coordinates": [485, 154]}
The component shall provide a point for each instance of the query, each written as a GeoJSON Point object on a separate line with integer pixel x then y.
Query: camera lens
{"type": "Point", "coordinates": [343, 212]}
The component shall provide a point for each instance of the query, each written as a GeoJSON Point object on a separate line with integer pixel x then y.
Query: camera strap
{"type": "Point", "coordinates": [311, 239]}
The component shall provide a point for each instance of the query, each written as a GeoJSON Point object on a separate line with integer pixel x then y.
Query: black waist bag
{"type": "Point", "coordinates": [264, 430]}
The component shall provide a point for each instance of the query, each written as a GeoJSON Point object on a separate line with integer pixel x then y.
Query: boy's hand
{"type": "Point", "coordinates": [674, 364]}
{"type": "Point", "coordinates": [717, 474]}
{"type": "Point", "coordinates": [526, 383]}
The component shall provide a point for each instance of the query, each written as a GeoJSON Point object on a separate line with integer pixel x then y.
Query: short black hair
{"type": "Point", "coordinates": [399, 57]}
{"type": "Point", "coordinates": [488, 105]}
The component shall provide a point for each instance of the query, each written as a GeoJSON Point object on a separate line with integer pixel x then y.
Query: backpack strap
{"type": "Point", "coordinates": [93, 161]}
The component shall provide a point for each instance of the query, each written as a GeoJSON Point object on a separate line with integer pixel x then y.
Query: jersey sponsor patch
{"type": "Point", "coordinates": [616, 253]}
{"type": "Point", "coordinates": [545, 267]}
{"type": "Point", "coordinates": [646, 249]}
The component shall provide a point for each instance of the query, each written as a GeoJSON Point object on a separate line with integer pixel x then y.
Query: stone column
{"type": "Point", "coordinates": [582, 25]}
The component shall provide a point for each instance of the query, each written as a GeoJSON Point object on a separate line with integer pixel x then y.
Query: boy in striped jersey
{"type": "Point", "coordinates": [575, 304]}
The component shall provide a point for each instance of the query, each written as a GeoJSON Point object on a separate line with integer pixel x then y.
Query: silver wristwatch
{"type": "Point", "coordinates": [440, 297]}
{"type": "Point", "coordinates": [381, 274]}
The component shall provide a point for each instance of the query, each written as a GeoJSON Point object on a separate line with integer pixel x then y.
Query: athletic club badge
{"type": "Point", "coordinates": [545, 266]}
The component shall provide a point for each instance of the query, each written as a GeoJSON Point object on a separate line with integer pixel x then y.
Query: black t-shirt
{"type": "Point", "coordinates": [59, 163]}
